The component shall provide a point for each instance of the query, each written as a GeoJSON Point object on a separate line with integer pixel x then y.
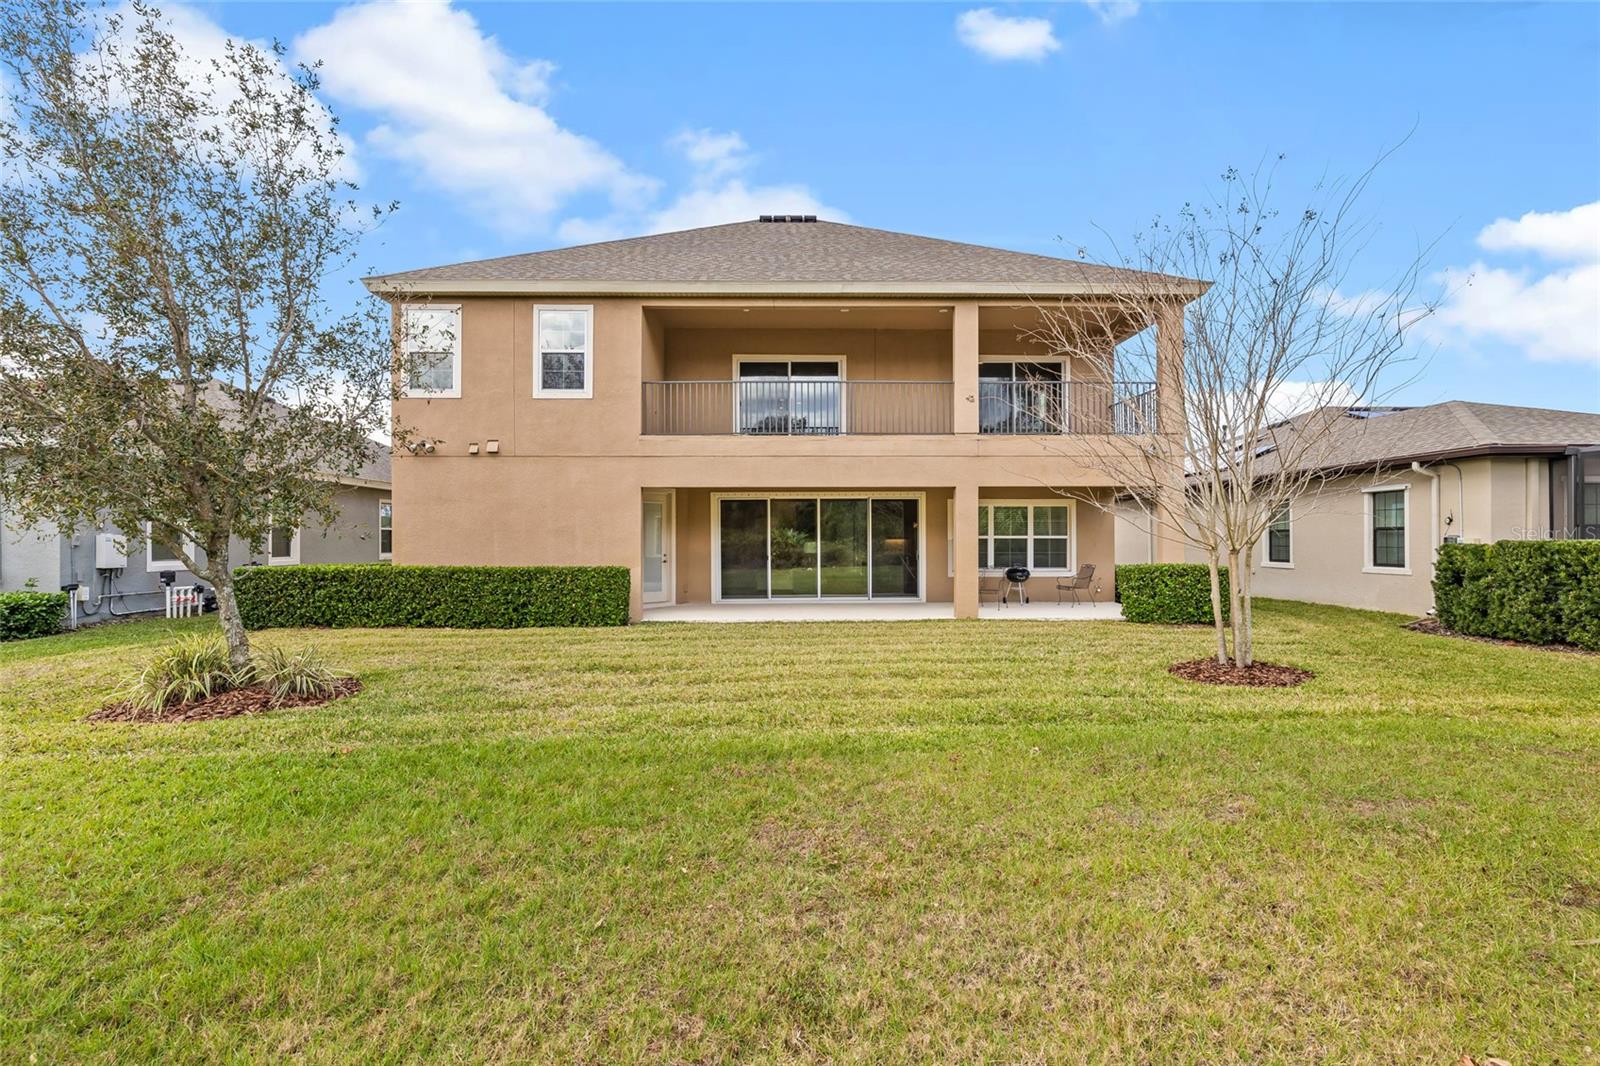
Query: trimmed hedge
{"type": "Point", "coordinates": [31, 614]}
{"type": "Point", "coordinates": [1169, 593]}
{"type": "Point", "coordinates": [1539, 591]}
{"type": "Point", "coordinates": [451, 597]}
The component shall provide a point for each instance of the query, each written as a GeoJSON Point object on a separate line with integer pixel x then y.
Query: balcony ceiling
{"type": "Point", "coordinates": [1013, 318]}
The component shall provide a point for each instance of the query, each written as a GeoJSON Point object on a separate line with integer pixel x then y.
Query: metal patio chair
{"type": "Point", "coordinates": [1082, 581]}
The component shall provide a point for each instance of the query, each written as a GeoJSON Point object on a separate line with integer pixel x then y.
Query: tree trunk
{"type": "Point", "coordinates": [232, 625]}
{"type": "Point", "coordinates": [1216, 609]}
{"type": "Point", "coordinates": [1250, 613]}
{"type": "Point", "coordinates": [1236, 610]}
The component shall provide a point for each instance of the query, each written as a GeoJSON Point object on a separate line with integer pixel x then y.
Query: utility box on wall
{"type": "Point", "coordinates": [110, 552]}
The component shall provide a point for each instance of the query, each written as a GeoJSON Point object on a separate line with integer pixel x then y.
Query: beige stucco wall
{"type": "Point", "coordinates": [694, 546]}
{"type": "Point", "coordinates": [1481, 500]}
{"type": "Point", "coordinates": [566, 485]}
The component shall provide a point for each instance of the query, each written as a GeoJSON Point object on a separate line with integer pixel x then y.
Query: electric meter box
{"type": "Point", "coordinates": [110, 552]}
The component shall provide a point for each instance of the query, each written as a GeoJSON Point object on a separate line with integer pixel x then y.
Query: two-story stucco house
{"type": "Point", "coordinates": [779, 411]}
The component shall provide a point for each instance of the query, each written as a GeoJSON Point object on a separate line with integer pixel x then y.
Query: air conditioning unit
{"type": "Point", "coordinates": [110, 551]}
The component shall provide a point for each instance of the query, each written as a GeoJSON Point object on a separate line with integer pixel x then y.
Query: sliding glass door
{"type": "Point", "coordinates": [817, 547]}
{"type": "Point", "coordinates": [844, 547]}
{"type": "Point", "coordinates": [793, 547]}
{"type": "Point", "coordinates": [894, 548]}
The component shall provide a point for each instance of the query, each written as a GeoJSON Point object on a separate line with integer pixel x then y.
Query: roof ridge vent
{"type": "Point", "coordinates": [788, 218]}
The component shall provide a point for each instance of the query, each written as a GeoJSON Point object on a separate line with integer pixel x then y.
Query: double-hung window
{"type": "Point", "coordinates": [283, 545]}
{"type": "Point", "coordinates": [1386, 513]}
{"type": "Point", "coordinates": [1035, 535]}
{"type": "Point", "coordinates": [1278, 538]}
{"type": "Point", "coordinates": [430, 349]}
{"type": "Point", "coordinates": [161, 555]}
{"type": "Point", "coordinates": [385, 529]}
{"type": "Point", "coordinates": [563, 355]}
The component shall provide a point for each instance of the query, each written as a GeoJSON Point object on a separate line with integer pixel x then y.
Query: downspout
{"type": "Point", "coordinates": [1433, 516]}
{"type": "Point", "coordinates": [1461, 500]}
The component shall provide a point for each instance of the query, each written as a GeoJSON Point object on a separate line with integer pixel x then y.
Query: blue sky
{"type": "Point", "coordinates": [508, 127]}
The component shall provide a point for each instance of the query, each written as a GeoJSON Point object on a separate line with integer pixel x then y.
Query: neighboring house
{"type": "Point", "coordinates": [782, 410]}
{"type": "Point", "coordinates": [1400, 481]}
{"type": "Point", "coordinates": [119, 571]}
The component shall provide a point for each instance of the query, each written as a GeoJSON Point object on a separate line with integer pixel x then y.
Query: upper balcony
{"type": "Point", "coordinates": [861, 369]}
{"type": "Point", "coordinates": [784, 405]}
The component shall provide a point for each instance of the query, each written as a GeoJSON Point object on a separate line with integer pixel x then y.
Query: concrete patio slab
{"type": "Point", "coordinates": [875, 612]}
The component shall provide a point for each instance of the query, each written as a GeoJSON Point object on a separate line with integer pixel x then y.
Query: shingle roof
{"type": "Point", "coordinates": [824, 256]}
{"type": "Point", "coordinates": [1362, 438]}
{"type": "Point", "coordinates": [376, 465]}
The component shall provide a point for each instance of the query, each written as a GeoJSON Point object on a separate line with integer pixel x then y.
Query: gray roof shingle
{"type": "Point", "coordinates": [1443, 430]}
{"type": "Point", "coordinates": [765, 253]}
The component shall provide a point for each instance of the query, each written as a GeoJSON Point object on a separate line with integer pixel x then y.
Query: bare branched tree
{"type": "Point", "coordinates": [1273, 335]}
{"type": "Point", "coordinates": [168, 226]}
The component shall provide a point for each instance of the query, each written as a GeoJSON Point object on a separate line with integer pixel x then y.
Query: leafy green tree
{"type": "Point", "coordinates": [169, 226]}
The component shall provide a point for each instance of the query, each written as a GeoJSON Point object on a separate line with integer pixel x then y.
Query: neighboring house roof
{"type": "Point", "coordinates": [777, 257]}
{"type": "Point", "coordinates": [375, 468]}
{"type": "Point", "coordinates": [1372, 437]}
{"type": "Point", "coordinates": [374, 471]}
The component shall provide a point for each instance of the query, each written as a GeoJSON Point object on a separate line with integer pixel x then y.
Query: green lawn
{"type": "Point", "coordinates": [933, 841]}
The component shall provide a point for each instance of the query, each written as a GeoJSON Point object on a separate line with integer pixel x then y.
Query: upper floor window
{"type": "Point", "coordinates": [1278, 538]}
{"type": "Point", "coordinates": [385, 529]}
{"type": "Point", "coordinates": [563, 355]}
{"type": "Point", "coordinates": [1386, 523]}
{"type": "Point", "coordinates": [430, 348]}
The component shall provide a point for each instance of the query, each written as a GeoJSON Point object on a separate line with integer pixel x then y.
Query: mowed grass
{"type": "Point", "coordinates": [933, 841]}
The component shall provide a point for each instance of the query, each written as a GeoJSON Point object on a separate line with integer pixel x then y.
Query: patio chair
{"type": "Point", "coordinates": [1082, 581]}
{"type": "Point", "coordinates": [989, 585]}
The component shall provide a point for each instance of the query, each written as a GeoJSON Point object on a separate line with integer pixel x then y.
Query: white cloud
{"type": "Point", "coordinates": [468, 117]}
{"type": "Point", "coordinates": [203, 61]}
{"type": "Point", "coordinates": [1001, 37]}
{"type": "Point", "coordinates": [1565, 235]}
{"type": "Point", "coordinates": [716, 194]}
{"type": "Point", "coordinates": [1553, 314]}
{"type": "Point", "coordinates": [714, 153]}
{"type": "Point", "coordinates": [1290, 398]}
{"type": "Point", "coordinates": [1111, 12]}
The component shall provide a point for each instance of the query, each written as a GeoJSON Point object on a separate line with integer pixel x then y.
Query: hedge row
{"type": "Point", "coordinates": [1168, 593]}
{"type": "Point", "coordinates": [31, 614]}
{"type": "Point", "coordinates": [1540, 591]}
{"type": "Point", "coordinates": [452, 597]}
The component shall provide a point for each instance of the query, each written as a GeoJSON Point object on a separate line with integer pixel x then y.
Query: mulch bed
{"type": "Point", "coordinates": [1256, 675]}
{"type": "Point", "coordinates": [253, 699]}
{"type": "Point", "coordinates": [1435, 628]}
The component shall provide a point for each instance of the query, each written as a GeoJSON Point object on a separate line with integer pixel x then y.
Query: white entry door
{"type": "Point", "coordinates": [656, 550]}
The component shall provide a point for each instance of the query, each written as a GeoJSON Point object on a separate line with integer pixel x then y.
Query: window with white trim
{"type": "Point", "coordinates": [1035, 535]}
{"type": "Point", "coordinates": [1278, 538]}
{"type": "Point", "coordinates": [1386, 514]}
{"type": "Point", "coordinates": [385, 529]}
{"type": "Point", "coordinates": [563, 355]}
{"type": "Point", "coordinates": [430, 347]}
{"type": "Point", "coordinates": [283, 545]}
{"type": "Point", "coordinates": [159, 555]}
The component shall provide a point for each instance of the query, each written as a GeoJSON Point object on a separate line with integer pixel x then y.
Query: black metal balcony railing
{"type": "Point", "coordinates": [818, 407]}
{"type": "Point", "coordinates": [1043, 407]}
{"type": "Point", "coordinates": [797, 407]}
